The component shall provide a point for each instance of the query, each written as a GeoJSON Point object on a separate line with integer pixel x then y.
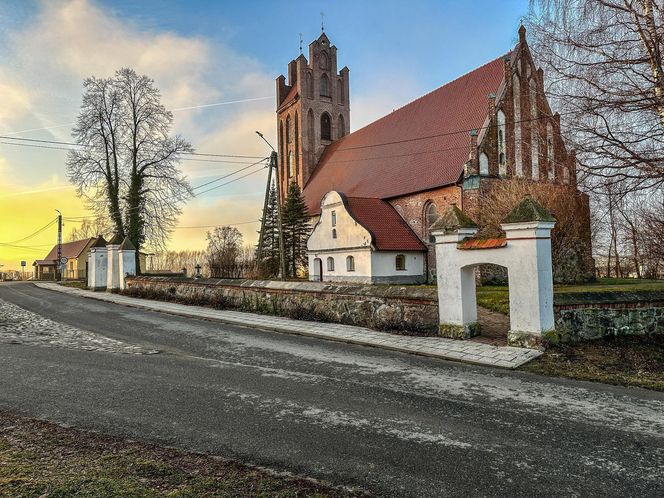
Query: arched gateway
{"type": "Point", "coordinates": [525, 252]}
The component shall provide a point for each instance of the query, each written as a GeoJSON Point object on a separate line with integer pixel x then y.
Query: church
{"type": "Point", "coordinates": [391, 179]}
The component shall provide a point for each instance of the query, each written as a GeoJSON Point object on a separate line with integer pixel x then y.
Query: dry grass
{"type": "Point", "coordinates": [40, 459]}
{"type": "Point", "coordinates": [627, 361]}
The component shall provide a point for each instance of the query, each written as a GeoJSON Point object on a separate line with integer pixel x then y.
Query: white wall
{"type": "Point", "coordinates": [350, 234]}
{"type": "Point", "coordinates": [384, 264]}
{"type": "Point", "coordinates": [362, 273]}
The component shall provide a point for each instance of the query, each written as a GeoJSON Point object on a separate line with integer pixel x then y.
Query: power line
{"type": "Point", "coordinates": [229, 174]}
{"type": "Point", "coordinates": [37, 232]}
{"type": "Point", "coordinates": [232, 181]}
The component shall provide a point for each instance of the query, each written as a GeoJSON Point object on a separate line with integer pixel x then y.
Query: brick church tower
{"type": "Point", "coordinates": [313, 110]}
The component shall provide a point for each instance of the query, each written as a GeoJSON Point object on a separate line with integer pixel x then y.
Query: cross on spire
{"type": "Point", "coordinates": [300, 43]}
{"type": "Point", "coordinates": [322, 21]}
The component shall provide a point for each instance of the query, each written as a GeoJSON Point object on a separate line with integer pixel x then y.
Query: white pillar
{"type": "Point", "coordinates": [97, 268]}
{"type": "Point", "coordinates": [113, 273]}
{"type": "Point", "coordinates": [457, 308]}
{"type": "Point", "coordinates": [127, 260]}
{"type": "Point", "coordinates": [530, 282]}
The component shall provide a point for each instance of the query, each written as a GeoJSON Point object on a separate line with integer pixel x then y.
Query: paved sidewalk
{"type": "Point", "coordinates": [436, 347]}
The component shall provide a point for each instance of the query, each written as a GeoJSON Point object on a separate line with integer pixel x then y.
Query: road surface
{"type": "Point", "coordinates": [389, 423]}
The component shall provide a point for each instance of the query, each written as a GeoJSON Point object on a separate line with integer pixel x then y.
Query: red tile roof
{"type": "Point", "coordinates": [70, 250]}
{"type": "Point", "coordinates": [424, 147]}
{"type": "Point", "coordinates": [389, 230]}
{"type": "Point", "coordinates": [470, 244]}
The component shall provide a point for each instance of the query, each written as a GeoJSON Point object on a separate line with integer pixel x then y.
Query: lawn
{"type": "Point", "coordinates": [40, 459]}
{"type": "Point", "coordinates": [496, 297]}
{"type": "Point", "coordinates": [628, 361]}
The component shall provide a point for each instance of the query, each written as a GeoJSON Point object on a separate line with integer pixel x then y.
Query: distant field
{"type": "Point", "coordinates": [496, 297]}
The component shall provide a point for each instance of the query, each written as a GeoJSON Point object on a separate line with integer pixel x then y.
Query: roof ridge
{"type": "Point", "coordinates": [421, 97]}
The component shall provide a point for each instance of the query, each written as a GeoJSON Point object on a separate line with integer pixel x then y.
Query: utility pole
{"type": "Point", "coordinates": [274, 163]}
{"type": "Point", "coordinates": [59, 248]}
{"type": "Point", "coordinates": [261, 237]}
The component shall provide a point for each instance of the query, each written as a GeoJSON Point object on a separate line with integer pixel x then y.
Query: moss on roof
{"type": "Point", "coordinates": [528, 210]}
{"type": "Point", "coordinates": [452, 219]}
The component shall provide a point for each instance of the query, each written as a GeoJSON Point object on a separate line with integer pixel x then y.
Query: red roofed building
{"type": "Point", "coordinates": [449, 146]}
{"type": "Point", "coordinates": [75, 252]}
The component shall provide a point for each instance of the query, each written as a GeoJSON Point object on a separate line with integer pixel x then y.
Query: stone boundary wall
{"type": "Point", "coordinates": [398, 308]}
{"type": "Point", "coordinates": [382, 307]}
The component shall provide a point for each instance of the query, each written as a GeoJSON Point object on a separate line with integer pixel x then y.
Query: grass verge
{"type": "Point", "coordinates": [40, 459]}
{"type": "Point", "coordinates": [627, 361]}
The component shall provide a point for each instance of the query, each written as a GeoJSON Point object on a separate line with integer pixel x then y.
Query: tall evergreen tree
{"type": "Point", "coordinates": [269, 263]}
{"type": "Point", "coordinates": [296, 230]}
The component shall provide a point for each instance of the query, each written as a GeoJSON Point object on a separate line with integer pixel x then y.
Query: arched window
{"type": "Point", "coordinates": [310, 86]}
{"type": "Point", "coordinates": [334, 233]}
{"type": "Point", "coordinates": [330, 264]}
{"type": "Point", "coordinates": [334, 218]}
{"type": "Point", "coordinates": [430, 217]}
{"type": "Point", "coordinates": [297, 146]}
{"type": "Point", "coordinates": [566, 175]}
{"type": "Point", "coordinates": [550, 155]}
{"type": "Point", "coordinates": [516, 94]}
{"type": "Point", "coordinates": [502, 162]}
{"type": "Point", "coordinates": [340, 91]}
{"type": "Point", "coordinates": [311, 135]}
{"type": "Point", "coordinates": [288, 130]}
{"type": "Point", "coordinates": [533, 99]}
{"type": "Point", "coordinates": [324, 60]}
{"type": "Point", "coordinates": [325, 127]}
{"type": "Point", "coordinates": [324, 86]}
{"type": "Point", "coordinates": [342, 126]}
{"type": "Point", "coordinates": [350, 263]}
{"type": "Point", "coordinates": [534, 151]}
{"type": "Point", "coordinates": [484, 164]}
{"type": "Point", "coordinates": [291, 165]}
{"type": "Point", "coordinates": [281, 141]}
{"type": "Point", "coordinates": [400, 262]}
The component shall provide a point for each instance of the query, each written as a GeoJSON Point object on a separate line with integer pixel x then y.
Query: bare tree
{"type": "Point", "coordinates": [603, 61]}
{"type": "Point", "coordinates": [128, 164]}
{"type": "Point", "coordinates": [223, 252]}
{"type": "Point", "coordinates": [91, 228]}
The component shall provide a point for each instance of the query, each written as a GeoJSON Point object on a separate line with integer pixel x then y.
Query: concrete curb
{"type": "Point", "coordinates": [433, 347]}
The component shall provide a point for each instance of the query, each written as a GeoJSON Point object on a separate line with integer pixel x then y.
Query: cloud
{"type": "Point", "coordinates": [61, 43]}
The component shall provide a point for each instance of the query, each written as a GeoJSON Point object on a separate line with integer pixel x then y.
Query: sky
{"type": "Point", "coordinates": [210, 52]}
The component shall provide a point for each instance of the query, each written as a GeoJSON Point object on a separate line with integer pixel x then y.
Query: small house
{"type": "Point", "coordinates": [364, 240]}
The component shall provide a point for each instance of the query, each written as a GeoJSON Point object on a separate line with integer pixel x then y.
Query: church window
{"type": "Point", "coordinates": [484, 164]}
{"type": "Point", "coordinates": [330, 264]}
{"type": "Point", "coordinates": [566, 175]}
{"type": "Point", "coordinates": [516, 92]}
{"type": "Point", "coordinates": [350, 263]}
{"type": "Point", "coordinates": [288, 130]}
{"type": "Point", "coordinates": [281, 141]}
{"type": "Point", "coordinates": [297, 143]}
{"type": "Point", "coordinates": [340, 91]}
{"type": "Point", "coordinates": [291, 165]}
{"type": "Point", "coordinates": [324, 86]}
{"type": "Point", "coordinates": [534, 151]}
{"type": "Point", "coordinates": [549, 151]}
{"type": "Point", "coordinates": [533, 99]}
{"type": "Point", "coordinates": [502, 163]}
{"type": "Point", "coordinates": [334, 218]}
{"type": "Point", "coordinates": [324, 61]}
{"type": "Point", "coordinates": [325, 127]}
{"type": "Point", "coordinates": [430, 217]}
{"type": "Point", "coordinates": [400, 262]}
{"type": "Point", "coordinates": [341, 126]}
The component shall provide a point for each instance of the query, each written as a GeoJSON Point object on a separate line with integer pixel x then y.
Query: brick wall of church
{"type": "Point", "coordinates": [413, 208]}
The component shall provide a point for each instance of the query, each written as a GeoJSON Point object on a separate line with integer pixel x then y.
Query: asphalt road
{"type": "Point", "coordinates": [390, 423]}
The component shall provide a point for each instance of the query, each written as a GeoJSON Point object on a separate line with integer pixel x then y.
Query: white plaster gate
{"type": "Point", "coordinates": [525, 252]}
